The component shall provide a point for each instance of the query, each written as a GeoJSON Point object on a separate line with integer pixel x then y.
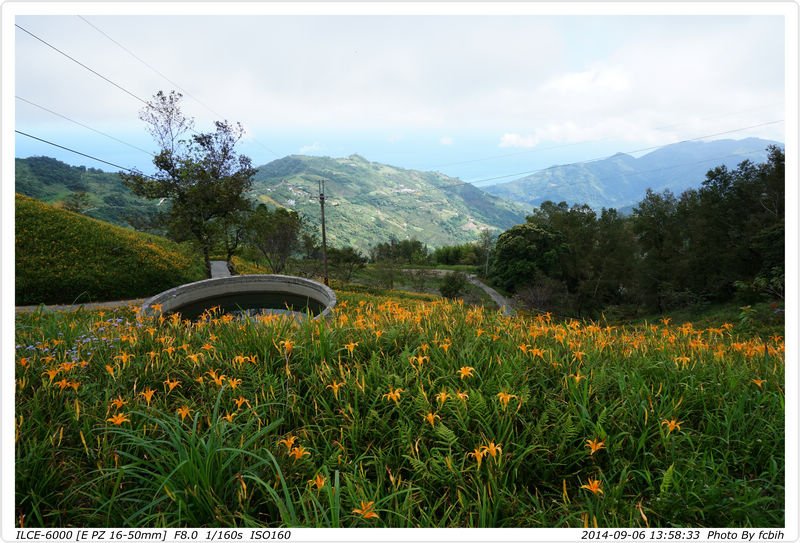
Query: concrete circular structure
{"type": "Point", "coordinates": [246, 293]}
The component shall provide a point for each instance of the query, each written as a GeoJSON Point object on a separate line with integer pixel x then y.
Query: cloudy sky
{"type": "Point", "coordinates": [476, 97]}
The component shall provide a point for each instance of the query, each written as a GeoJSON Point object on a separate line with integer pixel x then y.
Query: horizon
{"type": "Point", "coordinates": [77, 162]}
{"type": "Point", "coordinates": [442, 101]}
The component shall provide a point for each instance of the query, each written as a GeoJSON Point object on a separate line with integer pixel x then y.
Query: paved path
{"type": "Point", "coordinates": [502, 302]}
{"type": "Point", "coordinates": [75, 307]}
{"type": "Point", "coordinates": [219, 268]}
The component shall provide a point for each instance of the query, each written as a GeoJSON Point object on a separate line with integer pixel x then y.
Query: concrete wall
{"type": "Point", "coordinates": [242, 284]}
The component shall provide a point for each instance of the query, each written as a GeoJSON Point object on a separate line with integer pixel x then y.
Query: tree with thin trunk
{"type": "Point", "coordinates": [201, 175]}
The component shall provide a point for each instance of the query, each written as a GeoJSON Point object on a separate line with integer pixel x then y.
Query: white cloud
{"type": "Point", "coordinates": [517, 140]}
{"type": "Point", "coordinates": [532, 79]}
{"type": "Point", "coordinates": [314, 148]}
{"type": "Point", "coordinates": [596, 80]}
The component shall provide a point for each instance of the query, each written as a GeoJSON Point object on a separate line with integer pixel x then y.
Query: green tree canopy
{"type": "Point", "coordinates": [201, 174]}
{"type": "Point", "coordinates": [275, 234]}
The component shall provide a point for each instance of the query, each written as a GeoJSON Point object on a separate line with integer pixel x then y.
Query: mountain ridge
{"type": "Point", "coordinates": [371, 202]}
{"type": "Point", "coordinates": [621, 180]}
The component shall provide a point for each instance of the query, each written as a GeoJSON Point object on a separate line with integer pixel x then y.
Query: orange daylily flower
{"type": "Point", "coordinates": [671, 425]}
{"type": "Point", "coordinates": [578, 377]}
{"type": "Point", "coordinates": [119, 418]}
{"type": "Point", "coordinates": [183, 411]}
{"type": "Point", "coordinates": [240, 401]}
{"type": "Point", "coordinates": [593, 486]}
{"type": "Point", "coordinates": [298, 452]}
{"type": "Point", "coordinates": [431, 418]}
{"type": "Point", "coordinates": [351, 346]}
{"type": "Point", "coordinates": [466, 371]}
{"type": "Point", "coordinates": [52, 373]}
{"type": "Point", "coordinates": [492, 450]}
{"type": "Point", "coordinates": [393, 394]}
{"type": "Point", "coordinates": [218, 379]}
{"type": "Point", "coordinates": [234, 383]}
{"type": "Point", "coordinates": [318, 481]}
{"type": "Point", "coordinates": [335, 387]}
{"type": "Point", "coordinates": [229, 416]}
{"type": "Point", "coordinates": [478, 454]}
{"type": "Point", "coordinates": [442, 397]}
{"type": "Point", "coordinates": [62, 384]}
{"type": "Point", "coordinates": [118, 402]}
{"type": "Point", "coordinates": [124, 357]}
{"type": "Point", "coordinates": [287, 345]}
{"type": "Point", "coordinates": [366, 510]}
{"type": "Point", "coordinates": [172, 383]}
{"type": "Point", "coordinates": [505, 398]}
{"type": "Point", "coordinates": [288, 441]}
{"type": "Point", "coordinates": [759, 382]}
{"type": "Point", "coordinates": [147, 394]}
{"type": "Point", "coordinates": [594, 445]}
{"type": "Point", "coordinates": [535, 352]}
{"type": "Point", "coordinates": [195, 358]}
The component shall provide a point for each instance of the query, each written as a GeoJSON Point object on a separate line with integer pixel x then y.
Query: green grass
{"type": "Point", "coordinates": [65, 257]}
{"type": "Point", "coordinates": [303, 430]}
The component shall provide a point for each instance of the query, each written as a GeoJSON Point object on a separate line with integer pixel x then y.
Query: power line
{"type": "Point", "coordinates": [150, 66]}
{"type": "Point", "coordinates": [530, 172]}
{"type": "Point", "coordinates": [83, 125]}
{"type": "Point", "coordinates": [79, 63]}
{"type": "Point", "coordinates": [170, 81]}
{"type": "Point", "coordinates": [82, 154]}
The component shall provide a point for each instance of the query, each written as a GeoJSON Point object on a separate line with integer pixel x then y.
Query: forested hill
{"type": "Point", "coordinates": [621, 180]}
{"type": "Point", "coordinates": [368, 202]}
{"type": "Point", "coordinates": [91, 191]}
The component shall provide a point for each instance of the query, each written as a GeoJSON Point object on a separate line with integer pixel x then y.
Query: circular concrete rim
{"type": "Point", "coordinates": [240, 284]}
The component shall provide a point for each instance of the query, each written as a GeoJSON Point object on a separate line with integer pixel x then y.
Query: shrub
{"type": "Point", "coordinates": [454, 285]}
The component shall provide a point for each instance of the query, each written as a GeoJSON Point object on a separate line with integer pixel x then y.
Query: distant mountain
{"type": "Point", "coordinates": [368, 202]}
{"type": "Point", "coordinates": [621, 181]}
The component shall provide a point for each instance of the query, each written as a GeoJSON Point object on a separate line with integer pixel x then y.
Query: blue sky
{"type": "Point", "coordinates": [472, 96]}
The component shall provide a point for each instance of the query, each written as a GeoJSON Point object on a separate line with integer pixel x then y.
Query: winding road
{"type": "Point", "coordinates": [502, 302]}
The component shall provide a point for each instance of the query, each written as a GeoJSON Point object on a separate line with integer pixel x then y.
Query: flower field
{"type": "Point", "coordinates": [395, 412]}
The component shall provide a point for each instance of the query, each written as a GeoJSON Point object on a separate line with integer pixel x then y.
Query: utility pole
{"type": "Point", "coordinates": [324, 242]}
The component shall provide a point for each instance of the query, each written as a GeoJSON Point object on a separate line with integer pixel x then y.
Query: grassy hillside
{"type": "Point", "coordinates": [368, 202]}
{"type": "Point", "coordinates": [62, 257]}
